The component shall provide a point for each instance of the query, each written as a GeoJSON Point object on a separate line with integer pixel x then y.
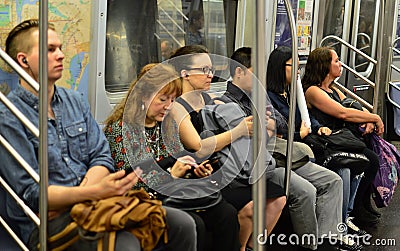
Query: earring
{"type": "Point", "coordinates": [142, 106]}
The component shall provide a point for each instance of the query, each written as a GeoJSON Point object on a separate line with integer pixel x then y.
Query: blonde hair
{"type": "Point", "coordinates": [153, 78]}
{"type": "Point", "coordinates": [19, 39]}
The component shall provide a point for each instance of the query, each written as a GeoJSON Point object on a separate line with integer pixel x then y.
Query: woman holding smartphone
{"type": "Point", "coordinates": [137, 131]}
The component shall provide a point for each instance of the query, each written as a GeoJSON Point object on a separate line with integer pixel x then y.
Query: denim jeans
{"type": "Point", "coordinates": [350, 185]}
{"type": "Point", "coordinates": [315, 200]}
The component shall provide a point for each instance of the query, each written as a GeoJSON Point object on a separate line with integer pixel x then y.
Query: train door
{"type": "Point", "coordinates": [356, 22]}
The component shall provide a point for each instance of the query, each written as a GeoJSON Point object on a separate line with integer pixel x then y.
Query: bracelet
{"type": "Point", "coordinates": [169, 169]}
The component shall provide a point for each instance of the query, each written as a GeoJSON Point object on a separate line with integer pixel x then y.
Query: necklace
{"type": "Point", "coordinates": [152, 135]}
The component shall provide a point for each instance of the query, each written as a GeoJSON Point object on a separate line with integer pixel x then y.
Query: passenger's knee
{"type": "Point", "coordinates": [336, 180]}
{"type": "Point", "coordinates": [306, 190]}
{"type": "Point", "coordinates": [246, 211]}
{"type": "Point", "coordinates": [277, 203]}
{"type": "Point", "coordinates": [280, 202]}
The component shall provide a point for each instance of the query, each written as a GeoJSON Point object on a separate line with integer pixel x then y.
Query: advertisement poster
{"type": "Point", "coordinates": [303, 12]}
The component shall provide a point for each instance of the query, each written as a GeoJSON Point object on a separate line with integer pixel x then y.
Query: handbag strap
{"type": "Point", "coordinates": [64, 239]}
{"type": "Point", "coordinates": [107, 243]}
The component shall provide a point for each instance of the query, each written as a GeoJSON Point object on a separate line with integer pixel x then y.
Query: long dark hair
{"type": "Point", "coordinates": [276, 73]}
{"type": "Point", "coordinates": [317, 67]}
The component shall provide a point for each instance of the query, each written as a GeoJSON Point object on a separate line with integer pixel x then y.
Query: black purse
{"type": "Point", "coordinates": [343, 140]}
{"type": "Point", "coordinates": [341, 149]}
{"type": "Point", "coordinates": [190, 194]}
{"type": "Point", "coordinates": [356, 162]}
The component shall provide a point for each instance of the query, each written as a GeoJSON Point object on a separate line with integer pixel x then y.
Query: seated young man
{"type": "Point", "coordinates": [80, 166]}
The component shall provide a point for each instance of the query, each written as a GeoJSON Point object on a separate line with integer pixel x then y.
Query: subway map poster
{"type": "Point", "coordinates": [72, 22]}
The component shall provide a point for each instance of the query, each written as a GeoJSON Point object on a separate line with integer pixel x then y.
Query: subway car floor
{"type": "Point", "coordinates": [385, 234]}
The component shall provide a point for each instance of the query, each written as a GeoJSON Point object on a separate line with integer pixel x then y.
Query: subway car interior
{"type": "Point", "coordinates": [122, 36]}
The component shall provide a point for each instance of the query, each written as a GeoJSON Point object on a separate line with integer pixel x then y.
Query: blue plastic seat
{"type": "Point", "coordinates": [395, 96]}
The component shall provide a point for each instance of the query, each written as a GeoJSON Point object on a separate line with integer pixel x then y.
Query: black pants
{"type": "Point", "coordinates": [221, 223]}
{"type": "Point", "coordinates": [365, 188]}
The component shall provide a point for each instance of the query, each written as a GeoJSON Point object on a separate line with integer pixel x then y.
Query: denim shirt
{"type": "Point", "coordinates": [75, 144]}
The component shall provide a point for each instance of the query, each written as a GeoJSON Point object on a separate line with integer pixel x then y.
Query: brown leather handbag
{"type": "Point", "coordinates": [135, 212]}
{"type": "Point", "coordinates": [99, 220]}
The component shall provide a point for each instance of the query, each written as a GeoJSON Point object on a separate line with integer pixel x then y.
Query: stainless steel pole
{"type": "Point", "coordinates": [43, 82]}
{"type": "Point", "coordinates": [259, 132]}
{"type": "Point", "coordinates": [293, 90]}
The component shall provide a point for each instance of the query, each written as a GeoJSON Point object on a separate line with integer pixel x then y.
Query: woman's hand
{"type": "Point", "coordinates": [271, 124]}
{"type": "Point", "coordinates": [203, 170]}
{"type": "Point", "coordinates": [324, 131]}
{"type": "Point", "coordinates": [304, 130]}
{"type": "Point", "coordinates": [379, 127]}
{"type": "Point", "coordinates": [369, 128]}
{"type": "Point", "coordinates": [246, 126]}
{"type": "Point", "coordinates": [182, 165]}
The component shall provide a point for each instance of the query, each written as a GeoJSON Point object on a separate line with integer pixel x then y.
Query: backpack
{"type": "Point", "coordinates": [386, 179]}
{"type": "Point", "coordinates": [236, 159]}
{"type": "Point", "coordinates": [99, 220]}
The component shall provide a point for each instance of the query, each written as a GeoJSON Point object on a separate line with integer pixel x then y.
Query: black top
{"type": "Point", "coordinates": [194, 115]}
{"type": "Point", "coordinates": [326, 119]}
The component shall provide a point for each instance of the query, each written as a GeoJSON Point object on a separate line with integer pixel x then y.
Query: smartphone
{"type": "Point", "coordinates": [214, 160]}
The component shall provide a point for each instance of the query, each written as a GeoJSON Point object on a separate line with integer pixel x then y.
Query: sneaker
{"type": "Point", "coordinates": [347, 243]}
{"type": "Point", "coordinates": [353, 229]}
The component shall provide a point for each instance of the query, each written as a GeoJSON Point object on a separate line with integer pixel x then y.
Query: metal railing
{"type": "Point", "coordinates": [170, 19]}
{"type": "Point", "coordinates": [40, 221]}
{"type": "Point", "coordinates": [395, 68]}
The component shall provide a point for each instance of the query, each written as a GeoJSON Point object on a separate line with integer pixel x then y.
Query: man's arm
{"type": "Point", "coordinates": [97, 184]}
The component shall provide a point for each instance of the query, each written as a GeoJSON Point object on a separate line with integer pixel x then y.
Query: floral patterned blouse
{"type": "Point", "coordinates": [140, 144]}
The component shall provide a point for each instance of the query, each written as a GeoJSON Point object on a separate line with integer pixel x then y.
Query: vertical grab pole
{"type": "Point", "coordinates": [259, 132]}
{"type": "Point", "coordinates": [293, 93]}
{"type": "Point", "coordinates": [43, 161]}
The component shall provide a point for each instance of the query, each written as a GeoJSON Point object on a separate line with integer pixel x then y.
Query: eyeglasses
{"type": "Point", "coordinates": [206, 70]}
{"type": "Point", "coordinates": [288, 64]}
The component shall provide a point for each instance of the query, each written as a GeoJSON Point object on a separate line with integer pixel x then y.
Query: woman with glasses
{"type": "Point", "coordinates": [194, 65]}
{"type": "Point", "coordinates": [279, 77]}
